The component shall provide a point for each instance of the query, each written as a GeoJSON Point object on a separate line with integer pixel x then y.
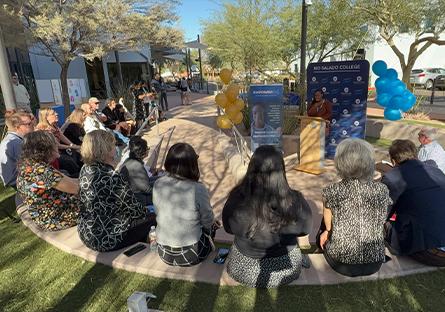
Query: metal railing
{"type": "Point", "coordinates": [240, 142]}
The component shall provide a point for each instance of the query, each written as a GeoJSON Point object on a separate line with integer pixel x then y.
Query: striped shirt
{"type": "Point", "coordinates": [433, 151]}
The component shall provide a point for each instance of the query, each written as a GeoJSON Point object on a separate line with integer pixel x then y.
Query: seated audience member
{"type": "Point", "coordinates": [110, 216]}
{"type": "Point", "coordinates": [418, 192]}
{"type": "Point", "coordinates": [113, 117]}
{"type": "Point", "coordinates": [94, 105]}
{"type": "Point", "coordinates": [266, 216]}
{"type": "Point", "coordinates": [354, 212]}
{"type": "Point", "coordinates": [51, 196]}
{"type": "Point", "coordinates": [136, 174]}
{"type": "Point", "coordinates": [124, 116]}
{"type": "Point", "coordinates": [183, 212]}
{"type": "Point", "coordinates": [74, 128]}
{"type": "Point", "coordinates": [430, 149]}
{"type": "Point", "coordinates": [69, 160]}
{"type": "Point", "coordinates": [91, 122]}
{"type": "Point", "coordinates": [19, 124]}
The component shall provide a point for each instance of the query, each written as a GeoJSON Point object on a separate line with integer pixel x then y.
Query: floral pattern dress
{"type": "Point", "coordinates": [50, 209]}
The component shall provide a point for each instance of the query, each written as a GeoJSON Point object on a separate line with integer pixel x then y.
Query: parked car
{"type": "Point", "coordinates": [440, 82]}
{"type": "Point", "coordinates": [425, 76]}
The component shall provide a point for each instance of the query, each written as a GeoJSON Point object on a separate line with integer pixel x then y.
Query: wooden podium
{"type": "Point", "coordinates": [312, 140]}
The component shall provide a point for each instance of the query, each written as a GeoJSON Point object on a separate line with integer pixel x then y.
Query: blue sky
{"type": "Point", "coordinates": [191, 12]}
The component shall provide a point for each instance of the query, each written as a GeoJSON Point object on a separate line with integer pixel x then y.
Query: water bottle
{"type": "Point", "coordinates": [152, 238]}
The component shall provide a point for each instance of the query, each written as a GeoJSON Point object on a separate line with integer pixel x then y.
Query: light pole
{"type": "Point", "coordinates": [5, 77]}
{"type": "Point", "coordinates": [200, 66]}
{"type": "Point", "coordinates": [304, 6]}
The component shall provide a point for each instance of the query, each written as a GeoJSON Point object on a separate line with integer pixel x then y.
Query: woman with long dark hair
{"type": "Point", "coordinates": [266, 216]}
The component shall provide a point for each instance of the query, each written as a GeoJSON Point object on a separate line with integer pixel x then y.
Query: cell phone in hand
{"type": "Point", "coordinates": [134, 250]}
{"type": "Point", "coordinates": [221, 256]}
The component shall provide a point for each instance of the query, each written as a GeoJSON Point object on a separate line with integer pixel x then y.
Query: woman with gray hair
{"type": "Point", "coordinates": [354, 213]}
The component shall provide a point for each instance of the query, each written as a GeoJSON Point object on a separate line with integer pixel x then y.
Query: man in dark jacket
{"type": "Point", "coordinates": [418, 192]}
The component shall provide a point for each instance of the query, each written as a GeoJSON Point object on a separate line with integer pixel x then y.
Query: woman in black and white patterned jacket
{"type": "Point", "coordinates": [110, 215]}
{"type": "Point", "coordinates": [354, 214]}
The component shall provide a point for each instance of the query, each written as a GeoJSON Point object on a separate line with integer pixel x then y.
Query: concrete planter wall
{"type": "Point", "coordinates": [392, 130]}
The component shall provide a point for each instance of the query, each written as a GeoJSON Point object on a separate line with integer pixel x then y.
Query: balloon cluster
{"type": "Point", "coordinates": [392, 93]}
{"type": "Point", "coordinates": [229, 101]}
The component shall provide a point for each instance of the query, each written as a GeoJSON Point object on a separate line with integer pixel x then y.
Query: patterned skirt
{"type": "Point", "coordinates": [266, 272]}
{"type": "Point", "coordinates": [187, 255]}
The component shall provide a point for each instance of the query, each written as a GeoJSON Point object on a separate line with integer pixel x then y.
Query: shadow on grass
{"type": "Point", "coordinates": [84, 290]}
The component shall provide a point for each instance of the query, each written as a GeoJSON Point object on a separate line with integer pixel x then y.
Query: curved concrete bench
{"type": "Point", "coordinates": [216, 177]}
{"type": "Point", "coordinates": [149, 263]}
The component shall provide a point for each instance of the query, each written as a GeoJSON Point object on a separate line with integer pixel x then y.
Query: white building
{"type": "Point", "coordinates": [434, 56]}
{"type": "Point", "coordinates": [88, 78]}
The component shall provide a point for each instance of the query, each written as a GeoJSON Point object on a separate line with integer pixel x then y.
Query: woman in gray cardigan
{"type": "Point", "coordinates": [183, 213]}
{"type": "Point", "coordinates": [135, 173]}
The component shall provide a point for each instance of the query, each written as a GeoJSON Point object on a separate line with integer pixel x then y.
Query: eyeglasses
{"type": "Point", "coordinates": [27, 124]}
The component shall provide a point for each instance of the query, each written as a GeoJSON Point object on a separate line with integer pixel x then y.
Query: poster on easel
{"type": "Point", "coordinates": [57, 91]}
{"type": "Point", "coordinates": [345, 85]}
{"type": "Point", "coordinates": [74, 91]}
{"type": "Point", "coordinates": [266, 105]}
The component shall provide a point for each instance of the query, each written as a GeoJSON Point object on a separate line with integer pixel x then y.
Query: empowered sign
{"type": "Point", "coordinates": [266, 103]}
{"type": "Point", "coordinates": [345, 85]}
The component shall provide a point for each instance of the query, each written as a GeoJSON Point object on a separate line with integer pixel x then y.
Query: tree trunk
{"type": "Point", "coordinates": [65, 94]}
{"type": "Point", "coordinates": [406, 72]}
{"type": "Point", "coordinates": [119, 72]}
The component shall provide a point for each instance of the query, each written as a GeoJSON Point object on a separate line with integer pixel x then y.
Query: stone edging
{"type": "Point", "coordinates": [392, 130]}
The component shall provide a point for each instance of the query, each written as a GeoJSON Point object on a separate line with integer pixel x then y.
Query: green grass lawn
{"type": "Point", "coordinates": [386, 143]}
{"type": "Point", "coordinates": [34, 276]}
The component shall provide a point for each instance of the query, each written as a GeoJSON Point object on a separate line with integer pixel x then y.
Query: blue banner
{"type": "Point", "coordinates": [345, 85]}
{"type": "Point", "coordinates": [265, 102]}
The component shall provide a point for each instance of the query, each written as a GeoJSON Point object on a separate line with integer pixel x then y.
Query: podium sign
{"type": "Point", "coordinates": [312, 140]}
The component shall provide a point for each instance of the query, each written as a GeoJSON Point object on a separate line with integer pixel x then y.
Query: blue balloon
{"type": "Point", "coordinates": [408, 101]}
{"type": "Point", "coordinates": [409, 97]}
{"type": "Point", "coordinates": [382, 85]}
{"type": "Point", "coordinates": [392, 114]}
{"type": "Point", "coordinates": [397, 87]}
{"type": "Point", "coordinates": [383, 99]}
{"type": "Point", "coordinates": [396, 102]}
{"type": "Point", "coordinates": [391, 74]}
{"type": "Point", "coordinates": [379, 68]}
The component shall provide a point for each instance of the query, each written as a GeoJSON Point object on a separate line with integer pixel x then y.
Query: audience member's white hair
{"type": "Point", "coordinates": [430, 133]}
{"type": "Point", "coordinates": [354, 159]}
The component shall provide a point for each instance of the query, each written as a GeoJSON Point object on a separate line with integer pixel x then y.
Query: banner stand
{"type": "Point", "coordinates": [312, 141]}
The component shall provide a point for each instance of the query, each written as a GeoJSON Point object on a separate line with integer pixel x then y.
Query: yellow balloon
{"type": "Point", "coordinates": [232, 92]}
{"type": "Point", "coordinates": [225, 75]}
{"type": "Point", "coordinates": [237, 119]}
{"type": "Point", "coordinates": [231, 110]}
{"type": "Point", "coordinates": [223, 122]}
{"type": "Point", "coordinates": [239, 104]}
{"type": "Point", "coordinates": [221, 100]}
